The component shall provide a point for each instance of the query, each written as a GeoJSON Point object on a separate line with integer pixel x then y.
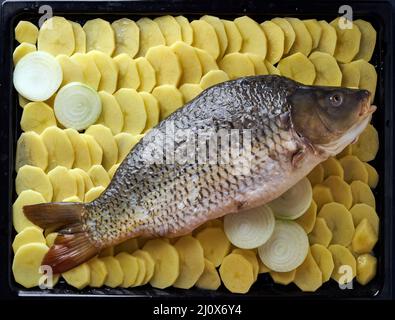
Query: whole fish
{"type": "Point", "coordinates": [283, 129]}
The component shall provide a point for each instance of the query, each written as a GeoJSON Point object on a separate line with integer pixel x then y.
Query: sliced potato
{"type": "Point", "coordinates": [209, 280]}
{"type": "Point", "coordinates": [129, 267]}
{"type": "Point", "coordinates": [236, 273]}
{"type": "Point", "coordinates": [170, 29]}
{"type": "Point", "coordinates": [283, 278]}
{"type": "Point", "coordinates": [50, 238]}
{"type": "Point", "coordinates": [186, 29]}
{"type": "Point", "coordinates": [365, 238]}
{"type": "Point", "coordinates": [215, 244]}
{"type": "Point", "coordinates": [289, 33]}
{"type": "Point", "coordinates": [73, 198]}
{"type": "Point", "coordinates": [79, 37]}
{"type": "Point", "coordinates": [99, 176]}
{"type": "Point", "coordinates": [366, 268]}
{"type": "Point", "coordinates": [307, 220]}
{"type": "Point", "coordinates": [254, 39]}
{"type": "Point", "coordinates": [332, 167]}
{"type": "Point", "coordinates": [72, 71]}
{"type": "Point", "coordinates": [367, 146]}
{"type": "Point", "coordinates": [320, 234]}
{"type": "Point", "coordinates": [20, 51]}
{"type": "Point", "coordinates": [127, 37]}
{"type": "Point", "coordinates": [348, 40]}
{"type": "Point", "coordinates": [327, 70]}
{"type": "Point", "coordinates": [26, 197]}
{"type": "Point", "coordinates": [128, 246]}
{"type": "Point", "coordinates": [350, 75]}
{"type": "Point", "coordinates": [113, 169]}
{"type": "Point", "coordinates": [251, 256]}
{"type": "Point", "coordinates": [111, 115]}
{"type": "Point", "coordinates": [235, 40]}
{"type": "Point", "coordinates": [106, 252]}
{"type": "Point", "coordinates": [262, 267]}
{"type": "Point", "coordinates": [361, 193]}
{"type": "Point", "coordinates": [78, 277]}
{"type": "Point", "coordinates": [205, 38]}
{"type": "Point", "coordinates": [148, 262]}
{"type": "Point", "coordinates": [93, 194]}
{"type": "Point", "coordinates": [99, 36]}
{"type": "Point", "coordinates": [272, 69]}
{"type": "Point", "coordinates": [322, 195]}
{"type": "Point", "coordinates": [82, 157]}
{"type": "Point", "coordinates": [298, 67]}
{"type": "Point", "coordinates": [259, 64]}
{"type": "Point", "coordinates": [212, 78]}
{"type": "Point", "coordinates": [237, 65]}
{"type": "Point", "coordinates": [150, 35]}
{"type": "Point", "coordinates": [33, 178]}
{"type": "Point", "coordinates": [146, 74]}
{"type": "Point", "coordinates": [25, 31]}
{"type": "Point", "coordinates": [37, 116]}
{"type": "Point", "coordinates": [315, 31]}
{"type": "Point", "coordinates": [346, 152]}
{"type": "Point", "coordinates": [361, 211]}
{"type": "Point", "coordinates": [206, 60]}
{"type": "Point", "coordinates": [22, 101]}
{"type": "Point", "coordinates": [56, 37]}
{"type": "Point", "coordinates": [31, 234]}
{"type": "Point", "coordinates": [189, 61]}
{"type": "Point", "coordinates": [80, 187]}
{"type": "Point", "coordinates": [316, 175]}
{"type": "Point", "coordinates": [340, 190]}
{"type": "Point", "coordinates": [368, 79]}
{"type": "Point", "coordinates": [219, 28]}
{"type": "Point", "coordinates": [152, 110]}
{"type": "Point", "coordinates": [169, 99]}
{"type": "Point", "coordinates": [308, 276]}
{"type": "Point", "coordinates": [108, 71]}
{"type": "Point", "coordinates": [115, 273]}
{"type": "Point", "coordinates": [88, 184]}
{"type": "Point", "coordinates": [323, 257]}
{"type": "Point", "coordinates": [373, 176]}
{"type": "Point", "coordinates": [328, 38]}
{"type": "Point", "coordinates": [95, 150]}
{"type": "Point", "coordinates": [125, 142]}
{"type": "Point", "coordinates": [63, 182]}
{"type": "Point", "coordinates": [190, 91]}
{"type": "Point", "coordinates": [128, 75]}
{"type": "Point", "coordinates": [166, 65]}
{"type": "Point", "coordinates": [303, 41]}
{"type": "Point", "coordinates": [275, 41]}
{"type": "Point", "coordinates": [368, 40]}
{"type": "Point", "coordinates": [141, 272]}
{"type": "Point", "coordinates": [342, 257]}
{"type": "Point", "coordinates": [353, 169]}
{"type": "Point", "coordinates": [89, 69]}
{"type": "Point", "coordinates": [98, 272]}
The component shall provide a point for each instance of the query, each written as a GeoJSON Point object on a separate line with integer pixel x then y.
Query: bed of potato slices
{"type": "Point", "coordinates": [143, 71]}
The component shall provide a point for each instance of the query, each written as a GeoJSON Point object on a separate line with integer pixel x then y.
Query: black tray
{"type": "Point", "coordinates": [378, 13]}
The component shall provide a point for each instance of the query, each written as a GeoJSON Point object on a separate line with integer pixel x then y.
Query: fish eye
{"type": "Point", "coordinates": [336, 99]}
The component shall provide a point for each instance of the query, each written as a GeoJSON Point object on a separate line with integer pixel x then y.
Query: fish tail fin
{"type": "Point", "coordinates": [73, 245]}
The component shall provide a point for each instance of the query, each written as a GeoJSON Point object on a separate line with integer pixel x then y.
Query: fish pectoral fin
{"type": "Point", "coordinates": [297, 157]}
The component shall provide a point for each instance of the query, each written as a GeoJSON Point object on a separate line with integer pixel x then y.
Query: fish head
{"type": "Point", "coordinates": [330, 118]}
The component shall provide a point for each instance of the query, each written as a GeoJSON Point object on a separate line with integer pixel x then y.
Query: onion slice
{"type": "Point", "coordinates": [251, 228]}
{"type": "Point", "coordinates": [37, 76]}
{"type": "Point", "coordinates": [77, 106]}
{"type": "Point", "coordinates": [287, 247]}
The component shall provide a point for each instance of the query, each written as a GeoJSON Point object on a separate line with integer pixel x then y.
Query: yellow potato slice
{"type": "Point", "coordinates": [272, 69]}
{"type": "Point", "coordinates": [303, 41]}
{"type": "Point", "coordinates": [283, 278]}
{"type": "Point", "coordinates": [128, 75]}
{"type": "Point", "coordinates": [328, 38]}
{"type": "Point", "coordinates": [129, 267]}
{"type": "Point", "coordinates": [105, 139]}
{"type": "Point", "coordinates": [169, 99]}
{"type": "Point", "coordinates": [78, 277]}
{"type": "Point", "coordinates": [73, 198]}
{"type": "Point", "coordinates": [361, 193]}
{"type": "Point", "coordinates": [99, 36]}
{"type": "Point", "coordinates": [332, 167]}
{"type": "Point", "coordinates": [348, 40]}
{"type": "Point", "coordinates": [339, 221]}
{"type": "Point", "coordinates": [189, 61]}
{"type": "Point", "coordinates": [60, 149]}
{"type": "Point", "coordinates": [353, 169]}
{"type": "Point", "coordinates": [237, 65]}
{"type": "Point", "coordinates": [259, 64]}
{"type": "Point", "coordinates": [27, 262]}
{"type": "Point", "coordinates": [89, 69]}
{"type": "Point", "coordinates": [322, 195]}
{"type": "Point", "coordinates": [350, 75]}
{"type": "Point", "coordinates": [327, 70]}
{"type": "Point", "coordinates": [133, 109]}
{"type": "Point", "coordinates": [128, 246]}
{"type": "Point", "coordinates": [88, 184]}
{"type": "Point", "coordinates": [148, 262]}
{"type": "Point", "coordinates": [20, 51]}
{"type": "Point", "coordinates": [206, 61]}
{"type": "Point", "coordinates": [33, 178]}
{"type": "Point", "coordinates": [79, 37]}
{"type": "Point", "coordinates": [209, 280]}
{"type": "Point", "coordinates": [307, 220]}
{"type": "Point", "coordinates": [127, 37]}
{"type": "Point", "coordinates": [205, 38]}
{"type": "Point", "coordinates": [215, 244]}
{"type": "Point", "coordinates": [315, 31]}
{"type": "Point", "coordinates": [72, 71]}
{"type": "Point", "coordinates": [93, 194]}
{"type": "Point", "coordinates": [125, 142]}
{"type": "Point", "coordinates": [190, 91]}
{"type": "Point", "coordinates": [254, 39]}
{"type": "Point", "coordinates": [109, 251]}
{"type": "Point", "coordinates": [99, 176]}
{"type": "Point", "coordinates": [366, 268]}
{"type": "Point", "coordinates": [141, 272]}
{"type": "Point", "coordinates": [316, 175]}
{"type": "Point", "coordinates": [186, 29]}
{"type": "Point", "coordinates": [367, 145]}
{"type": "Point", "coordinates": [368, 79]}
{"type": "Point", "coordinates": [361, 211]}
{"type": "Point", "coordinates": [289, 33]}
{"type": "Point", "coordinates": [219, 28]}
{"type": "Point", "coordinates": [275, 41]}
{"type": "Point", "coordinates": [212, 78]}
{"type": "Point", "coordinates": [235, 40]}
{"type": "Point", "coordinates": [346, 152]}
{"type": "Point", "coordinates": [95, 150]}
{"type": "Point", "coordinates": [80, 187]}
{"type": "Point", "coordinates": [373, 176]}
{"type": "Point", "coordinates": [166, 65]}
{"type": "Point", "coordinates": [191, 262]}
{"type": "Point", "coordinates": [170, 29]}
{"type": "Point", "coordinates": [37, 116]}
{"type": "Point", "coordinates": [108, 71]}
{"type": "Point", "coordinates": [365, 238]}
{"type": "Point", "coordinates": [368, 40]}
{"type": "Point", "coordinates": [28, 235]}
{"type": "Point", "coordinates": [250, 255]}
{"type": "Point", "coordinates": [50, 238]}
{"type": "Point", "coordinates": [27, 197]}
{"type": "Point", "coordinates": [150, 35]}
{"type": "Point", "coordinates": [63, 182]}
{"type": "Point", "coordinates": [320, 234]}
{"type": "Point", "coordinates": [323, 257]}
{"type": "Point", "coordinates": [340, 190]}
{"type": "Point", "coordinates": [167, 263]}
{"type": "Point", "coordinates": [236, 273]}
{"type": "Point", "coordinates": [26, 31]}
{"type": "Point", "coordinates": [115, 273]}
{"type": "Point", "coordinates": [111, 115]}
{"type": "Point", "coordinates": [262, 267]}
{"type": "Point", "coordinates": [308, 276]}
{"type": "Point", "coordinates": [56, 37]}
{"type": "Point", "coordinates": [152, 110]}
{"type": "Point", "coordinates": [98, 272]}
{"type": "Point", "coordinates": [146, 74]}
{"type": "Point", "coordinates": [82, 157]}
{"type": "Point", "coordinates": [22, 101]}
{"type": "Point", "coordinates": [297, 67]}
{"type": "Point", "coordinates": [342, 257]}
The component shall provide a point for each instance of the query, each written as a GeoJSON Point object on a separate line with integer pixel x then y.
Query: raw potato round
{"type": "Point", "coordinates": [219, 28]}
{"type": "Point", "coordinates": [340, 190]}
{"type": "Point", "coordinates": [31, 150]}
{"type": "Point", "coordinates": [250, 255]}
{"type": "Point", "coordinates": [147, 75]}
{"type": "Point", "coordinates": [297, 67]}
{"type": "Point", "coordinates": [108, 71]}
{"type": "Point", "coordinates": [99, 176]}
{"type": "Point", "coordinates": [127, 37]}
{"type": "Point", "coordinates": [78, 277]}
{"type": "Point", "coordinates": [289, 33]}
{"type": "Point", "coordinates": [50, 238]}
{"type": "Point", "coordinates": [149, 264]}
{"type": "Point", "coordinates": [348, 40]}
{"type": "Point", "coordinates": [186, 29]}
{"type": "Point", "coordinates": [31, 234]}
{"type": "Point", "coordinates": [272, 69]}
{"type": "Point", "coordinates": [113, 169]}
{"type": "Point", "coordinates": [93, 193]}
{"type": "Point", "coordinates": [79, 37]}
{"type": "Point", "coordinates": [80, 182]}
{"type": "Point", "coordinates": [33, 178]}
{"type": "Point", "coordinates": [72, 71]}
{"type": "Point", "coordinates": [361, 193]}
{"type": "Point", "coordinates": [22, 101]}
{"type": "Point", "coordinates": [98, 272]}
{"type": "Point", "coordinates": [353, 169]}
{"type": "Point", "coordinates": [56, 37]}
{"type": "Point", "coordinates": [237, 65]}
{"type": "Point", "coordinates": [303, 41]}
{"type": "Point", "coordinates": [107, 252]}
{"type": "Point", "coordinates": [342, 257]}
{"type": "Point", "coordinates": [99, 36]}
{"type": "Point", "coordinates": [328, 38]}
{"type": "Point", "coordinates": [308, 276]}
{"type": "Point", "coordinates": [373, 176]}
{"type": "Point", "coordinates": [150, 35]}
{"type": "Point", "coordinates": [327, 70]}
{"type": "Point", "coordinates": [323, 257]}
{"type": "Point", "coordinates": [141, 272]}
{"type": "Point", "coordinates": [128, 246]}
{"type": "Point", "coordinates": [89, 69]}
{"type": "Point", "coordinates": [111, 115]}
{"type": "Point", "coordinates": [27, 262]}
{"type": "Point", "coordinates": [275, 41]}
{"type": "Point", "coordinates": [366, 268]}
{"type": "Point", "coordinates": [315, 31]}
{"type": "Point", "coordinates": [20, 51]}
{"type": "Point", "coordinates": [212, 78]}
{"type": "Point", "coordinates": [215, 244]}
{"type": "Point", "coordinates": [26, 31]}
{"type": "Point", "coordinates": [259, 64]}
{"type": "Point", "coordinates": [236, 273]}
{"type": "Point", "coordinates": [152, 110]}
{"type": "Point", "coordinates": [190, 91]}
{"type": "Point", "coordinates": [235, 40]}
{"type": "Point", "coordinates": [332, 167]}
{"type": "Point", "coordinates": [320, 234]}
{"type": "Point", "coordinates": [170, 29]}
{"type": "Point", "coordinates": [307, 220]}
{"type": "Point", "coordinates": [128, 75]}
{"type": "Point", "coordinates": [88, 184]}
{"type": "Point", "coordinates": [346, 152]}
{"type": "Point", "coordinates": [339, 221]}
{"type": "Point", "coordinates": [125, 142]}
{"type": "Point", "coordinates": [283, 278]}
{"type": "Point", "coordinates": [166, 65]}
{"type": "Point", "coordinates": [206, 60]}
{"type": "Point", "coordinates": [95, 150]}
{"type": "Point", "coordinates": [37, 116]}
{"type": "Point", "coordinates": [167, 263]}
{"type": "Point", "coordinates": [365, 238]}
{"type": "Point", "coordinates": [129, 267]}
{"type": "Point", "coordinates": [322, 195]}
{"type": "Point", "coordinates": [27, 197]}
{"type": "Point", "coordinates": [316, 175]}
{"type": "Point", "coordinates": [254, 39]}
{"type": "Point", "coordinates": [133, 109]}
{"type": "Point", "coordinates": [361, 211]}
{"type": "Point", "coordinates": [115, 274]}
{"type": "Point", "coordinates": [209, 280]}
{"type": "Point", "coordinates": [190, 64]}
{"type": "Point", "coordinates": [368, 40]}
{"type": "Point", "coordinates": [205, 38]}
{"type": "Point", "coordinates": [63, 182]}
{"type": "Point", "coordinates": [169, 99]}
{"type": "Point", "coordinates": [367, 146]}
{"type": "Point", "coordinates": [350, 75]}
{"type": "Point", "coordinates": [82, 157]}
